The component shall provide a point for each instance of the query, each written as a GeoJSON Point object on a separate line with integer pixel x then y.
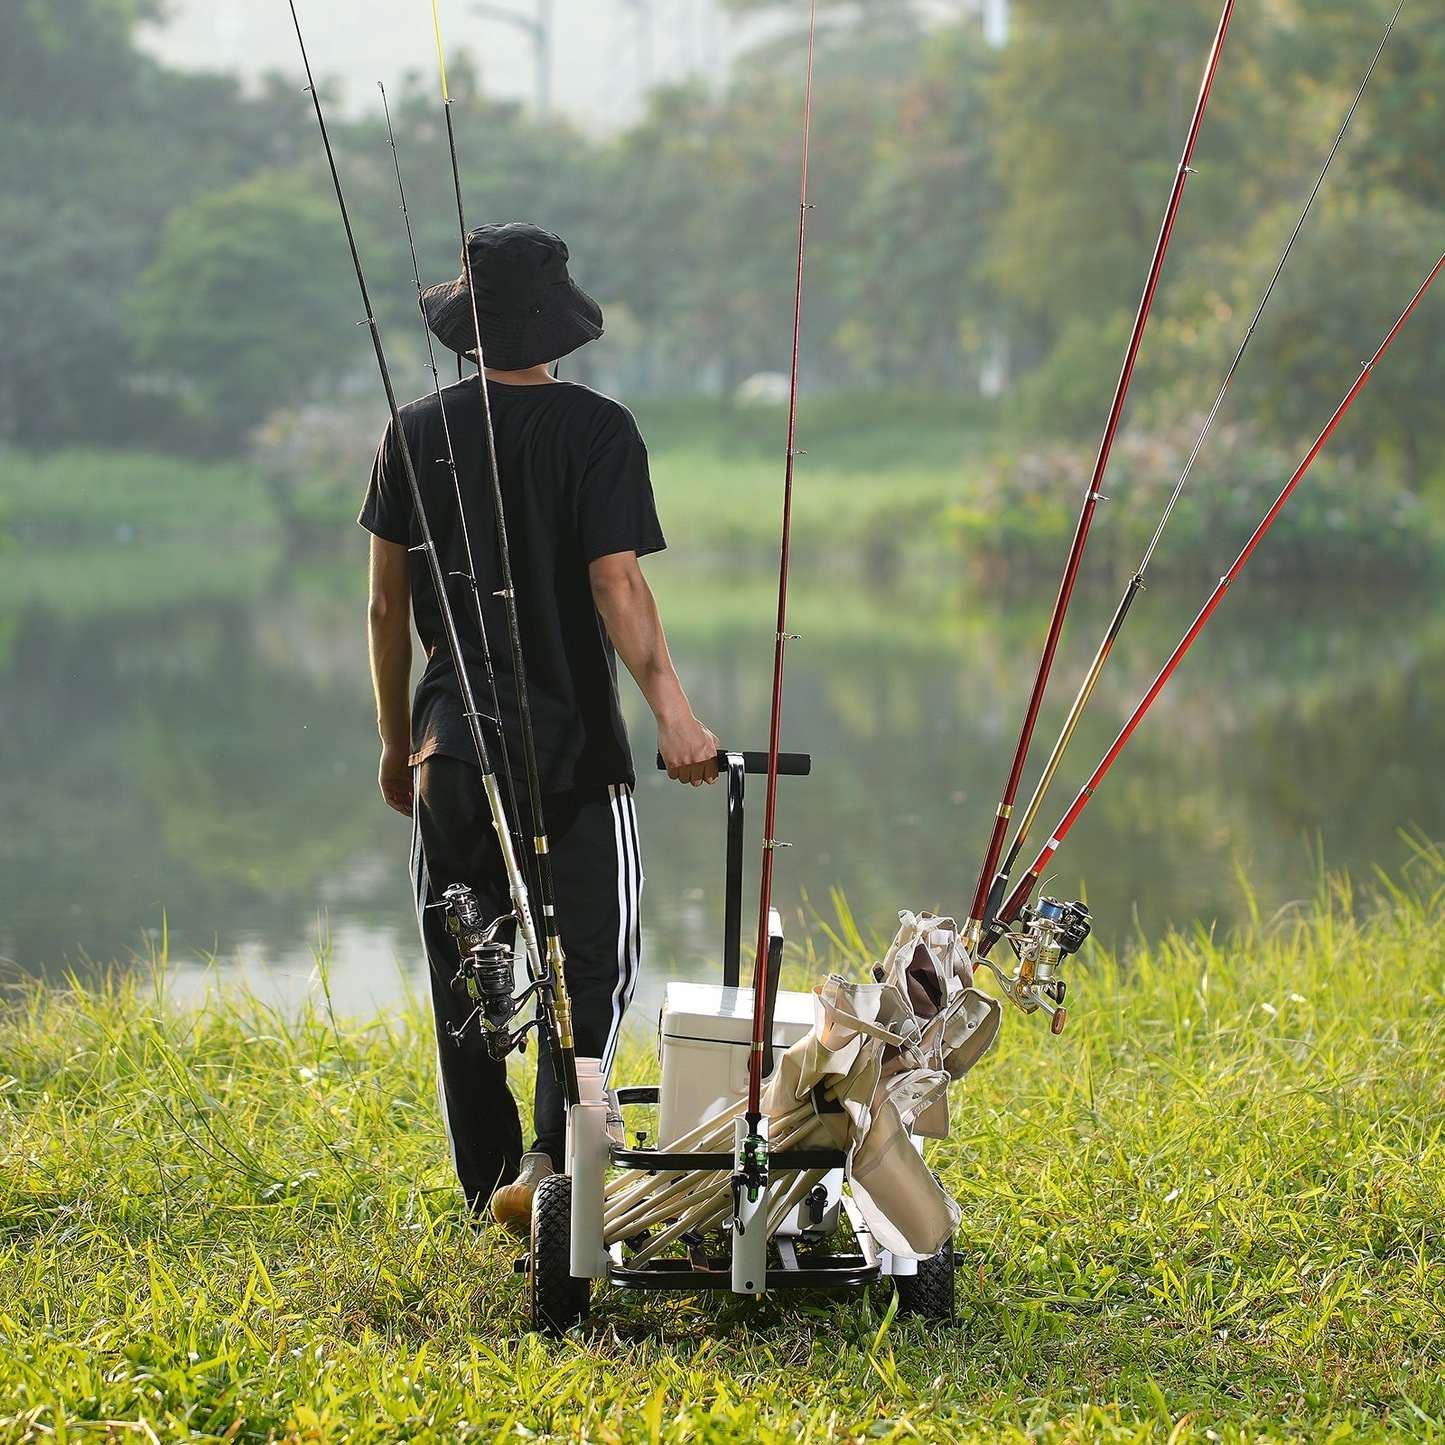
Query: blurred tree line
{"type": "Point", "coordinates": [172, 270]}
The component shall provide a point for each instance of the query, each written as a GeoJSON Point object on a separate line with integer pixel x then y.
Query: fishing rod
{"type": "Point", "coordinates": [750, 1200]}
{"type": "Point", "coordinates": [1017, 900]}
{"type": "Point", "coordinates": [782, 637]}
{"type": "Point", "coordinates": [486, 962]}
{"type": "Point", "coordinates": [558, 1000]}
{"type": "Point", "coordinates": [1136, 582]}
{"type": "Point", "coordinates": [474, 716]}
{"type": "Point", "coordinates": [987, 893]}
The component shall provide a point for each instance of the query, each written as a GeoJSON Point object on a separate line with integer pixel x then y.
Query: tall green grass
{"type": "Point", "coordinates": [712, 503]}
{"type": "Point", "coordinates": [1211, 1212]}
{"type": "Point", "coordinates": [85, 494]}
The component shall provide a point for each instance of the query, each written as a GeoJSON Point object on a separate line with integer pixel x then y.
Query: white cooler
{"type": "Point", "coordinates": [704, 1036]}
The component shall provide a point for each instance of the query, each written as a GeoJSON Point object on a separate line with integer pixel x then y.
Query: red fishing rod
{"type": "Point", "coordinates": [1025, 886]}
{"type": "Point", "coordinates": [1136, 582]}
{"type": "Point", "coordinates": [986, 893]}
{"type": "Point", "coordinates": [770, 844]}
{"type": "Point", "coordinates": [751, 1143]}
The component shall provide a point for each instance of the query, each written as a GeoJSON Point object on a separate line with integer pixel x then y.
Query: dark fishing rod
{"type": "Point", "coordinates": [782, 638]}
{"type": "Point", "coordinates": [486, 958]}
{"type": "Point", "coordinates": [989, 887]}
{"type": "Point", "coordinates": [564, 1049]}
{"type": "Point", "coordinates": [474, 715]}
{"type": "Point", "coordinates": [470, 575]}
{"type": "Point", "coordinates": [1025, 886]}
{"type": "Point", "coordinates": [1136, 582]}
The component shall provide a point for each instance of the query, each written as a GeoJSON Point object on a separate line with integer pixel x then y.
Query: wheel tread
{"type": "Point", "coordinates": [928, 1295]}
{"type": "Point", "coordinates": [558, 1299]}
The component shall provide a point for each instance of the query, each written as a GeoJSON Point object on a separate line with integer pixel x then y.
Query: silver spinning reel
{"type": "Point", "coordinates": [486, 972]}
{"type": "Point", "coordinates": [1043, 937]}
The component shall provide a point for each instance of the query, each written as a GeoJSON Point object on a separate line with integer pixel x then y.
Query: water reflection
{"type": "Point", "coordinates": [205, 762]}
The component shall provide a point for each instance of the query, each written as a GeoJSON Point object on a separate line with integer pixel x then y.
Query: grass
{"type": "Point", "coordinates": [116, 579]}
{"type": "Point", "coordinates": [89, 495]}
{"type": "Point", "coordinates": [1210, 1212]}
{"type": "Point", "coordinates": [720, 504]}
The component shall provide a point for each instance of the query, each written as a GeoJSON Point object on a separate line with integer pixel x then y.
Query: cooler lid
{"type": "Point", "coordinates": [717, 1012]}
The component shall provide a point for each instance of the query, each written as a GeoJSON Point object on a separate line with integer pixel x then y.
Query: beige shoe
{"type": "Point", "coordinates": [512, 1203]}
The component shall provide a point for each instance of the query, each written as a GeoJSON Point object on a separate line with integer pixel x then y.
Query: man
{"type": "Point", "coordinates": [579, 514]}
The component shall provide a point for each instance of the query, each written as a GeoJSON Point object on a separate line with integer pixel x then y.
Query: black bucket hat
{"type": "Point", "coordinates": [529, 308]}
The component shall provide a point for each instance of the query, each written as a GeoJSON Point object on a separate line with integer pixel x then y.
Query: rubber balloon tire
{"type": "Point", "coordinates": [558, 1300]}
{"type": "Point", "coordinates": [928, 1295]}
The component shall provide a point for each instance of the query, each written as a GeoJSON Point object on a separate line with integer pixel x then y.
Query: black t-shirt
{"type": "Point", "coordinates": [575, 487]}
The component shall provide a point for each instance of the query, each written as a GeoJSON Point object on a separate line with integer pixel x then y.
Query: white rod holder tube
{"type": "Point", "coordinates": [588, 1166]}
{"type": "Point", "coordinates": [750, 1220]}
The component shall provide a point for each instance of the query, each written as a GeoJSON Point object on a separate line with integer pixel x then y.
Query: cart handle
{"type": "Point", "coordinates": [791, 765]}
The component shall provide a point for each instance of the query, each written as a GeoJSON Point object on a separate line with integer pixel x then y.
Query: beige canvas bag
{"type": "Point", "coordinates": [877, 1064]}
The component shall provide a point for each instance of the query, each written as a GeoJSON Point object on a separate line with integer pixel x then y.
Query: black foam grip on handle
{"type": "Point", "coordinates": [791, 765]}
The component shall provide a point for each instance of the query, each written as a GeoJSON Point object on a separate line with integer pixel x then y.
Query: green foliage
{"type": "Point", "coordinates": [1290, 74]}
{"type": "Point", "coordinates": [981, 220]}
{"type": "Point", "coordinates": [1315, 48]}
{"type": "Point", "coordinates": [1068, 395]}
{"type": "Point", "coordinates": [61, 56]}
{"type": "Point", "coordinates": [244, 273]}
{"type": "Point", "coordinates": [88, 495]}
{"type": "Point", "coordinates": [1081, 211]}
{"type": "Point", "coordinates": [704, 217]}
{"type": "Point", "coordinates": [1310, 356]}
{"type": "Point", "coordinates": [100, 144]}
{"type": "Point", "coordinates": [314, 461]}
{"type": "Point", "coordinates": [920, 232]}
{"type": "Point", "coordinates": [1209, 1212]}
{"type": "Point", "coordinates": [1342, 520]}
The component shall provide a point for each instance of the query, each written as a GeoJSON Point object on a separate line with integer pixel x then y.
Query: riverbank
{"type": "Point", "coordinates": [1209, 1212]}
{"type": "Point", "coordinates": [875, 493]}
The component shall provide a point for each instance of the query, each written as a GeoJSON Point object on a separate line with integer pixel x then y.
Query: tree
{"type": "Point", "coordinates": [1090, 103]}
{"type": "Point", "coordinates": [67, 58]}
{"type": "Point", "coordinates": [1370, 249]}
{"type": "Point", "coordinates": [920, 307]}
{"type": "Point", "coordinates": [100, 143]}
{"type": "Point", "coordinates": [245, 306]}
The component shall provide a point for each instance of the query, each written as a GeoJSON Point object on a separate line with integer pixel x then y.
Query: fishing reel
{"type": "Point", "coordinates": [1043, 937]}
{"type": "Point", "coordinates": [486, 972]}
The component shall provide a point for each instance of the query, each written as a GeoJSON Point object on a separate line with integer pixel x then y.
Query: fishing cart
{"type": "Point", "coordinates": [703, 1207]}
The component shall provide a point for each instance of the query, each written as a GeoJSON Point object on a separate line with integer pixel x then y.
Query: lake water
{"type": "Point", "coordinates": [187, 749]}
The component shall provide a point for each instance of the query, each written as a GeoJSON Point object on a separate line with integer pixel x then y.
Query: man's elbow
{"type": "Point", "coordinates": [386, 615]}
{"type": "Point", "coordinates": [609, 593]}
{"type": "Point", "coordinates": [616, 582]}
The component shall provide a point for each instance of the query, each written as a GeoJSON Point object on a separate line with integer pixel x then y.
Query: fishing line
{"type": "Point", "coordinates": [1091, 497]}
{"type": "Point", "coordinates": [1136, 582]}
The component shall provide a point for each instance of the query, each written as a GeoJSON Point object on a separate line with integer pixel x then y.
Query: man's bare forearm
{"type": "Point", "coordinates": [388, 626]}
{"type": "Point", "coordinates": [388, 632]}
{"type": "Point", "coordinates": [390, 649]}
{"type": "Point", "coordinates": [629, 612]}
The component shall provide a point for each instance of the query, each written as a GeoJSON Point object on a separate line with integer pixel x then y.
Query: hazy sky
{"type": "Point", "coordinates": [604, 52]}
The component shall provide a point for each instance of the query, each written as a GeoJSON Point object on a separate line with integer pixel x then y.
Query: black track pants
{"type": "Point", "coordinates": [597, 870]}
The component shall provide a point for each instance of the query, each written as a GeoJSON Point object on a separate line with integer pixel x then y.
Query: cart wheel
{"type": "Point", "coordinates": [558, 1300]}
{"type": "Point", "coordinates": [928, 1295]}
